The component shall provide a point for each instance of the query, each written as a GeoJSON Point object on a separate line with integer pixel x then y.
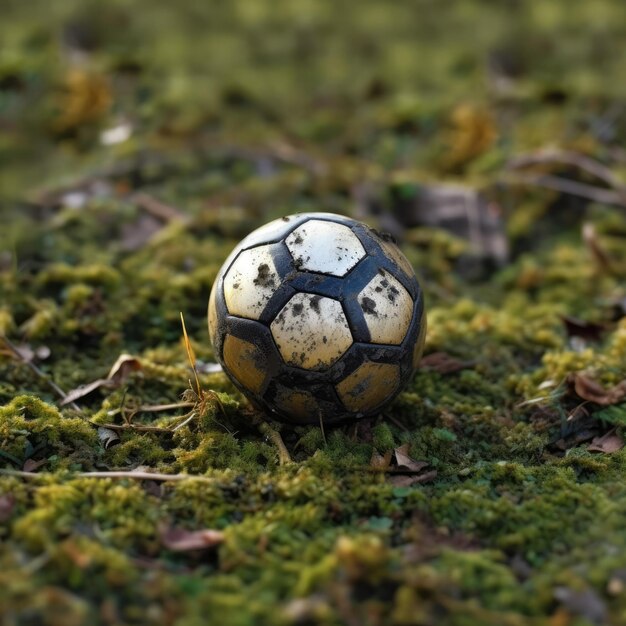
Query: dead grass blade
{"type": "Point", "coordinates": [191, 356]}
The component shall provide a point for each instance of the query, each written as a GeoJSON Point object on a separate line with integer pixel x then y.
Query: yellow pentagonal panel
{"type": "Point", "coordinates": [395, 254]}
{"type": "Point", "coordinates": [311, 331]}
{"type": "Point", "coordinates": [325, 247]}
{"type": "Point", "coordinates": [369, 386]}
{"type": "Point", "coordinates": [300, 405]}
{"type": "Point", "coordinates": [388, 309]}
{"type": "Point", "coordinates": [250, 282]}
{"type": "Point", "coordinates": [245, 362]}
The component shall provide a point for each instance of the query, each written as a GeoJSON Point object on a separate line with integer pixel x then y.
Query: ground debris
{"type": "Point", "coordinates": [121, 370]}
{"type": "Point", "coordinates": [401, 470]}
{"type": "Point", "coordinates": [608, 443]}
{"type": "Point", "coordinates": [591, 390]}
{"type": "Point", "coordinates": [444, 363]}
{"type": "Point", "coordinates": [107, 437]}
{"type": "Point", "coordinates": [181, 540]}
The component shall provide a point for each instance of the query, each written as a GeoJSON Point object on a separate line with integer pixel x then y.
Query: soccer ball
{"type": "Point", "coordinates": [316, 317]}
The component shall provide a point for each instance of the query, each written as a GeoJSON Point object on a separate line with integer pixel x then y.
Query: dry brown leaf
{"type": "Point", "coordinates": [378, 461]}
{"type": "Point", "coordinates": [404, 480]}
{"type": "Point", "coordinates": [443, 363]}
{"type": "Point", "coordinates": [405, 462]}
{"type": "Point", "coordinates": [589, 389]}
{"type": "Point", "coordinates": [608, 443]}
{"type": "Point", "coordinates": [85, 390]}
{"type": "Point", "coordinates": [31, 465]}
{"type": "Point", "coordinates": [121, 370]}
{"type": "Point", "coordinates": [182, 540]}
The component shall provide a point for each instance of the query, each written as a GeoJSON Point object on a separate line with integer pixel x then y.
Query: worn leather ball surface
{"type": "Point", "coordinates": [317, 316]}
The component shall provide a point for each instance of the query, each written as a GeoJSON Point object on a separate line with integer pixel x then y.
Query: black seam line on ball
{"type": "Point", "coordinates": [224, 270]}
{"type": "Point", "coordinates": [222, 313]}
{"type": "Point", "coordinates": [418, 310]}
{"type": "Point", "coordinates": [356, 320]}
{"type": "Point", "coordinates": [267, 325]}
{"type": "Point", "coordinates": [278, 301]}
{"type": "Point", "coordinates": [283, 260]}
{"type": "Point", "coordinates": [333, 218]}
{"type": "Point", "coordinates": [358, 353]}
{"type": "Point", "coordinates": [375, 250]}
{"type": "Point", "coordinates": [294, 222]}
{"type": "Point", "coordinates": [326, 400]}
{"type": "Point", "coordinates": [336, 287]}
{"type": "Point", "coordinates": [261, 338]}
{"type": "Point", "coordinates": [300, 375]}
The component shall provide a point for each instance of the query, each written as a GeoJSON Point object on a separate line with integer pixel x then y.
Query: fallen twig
{"type": "Point", "coordinates": [117, 474]}
{"type": "Point", "coordinates": [158, 209]}
{"type": "Point", "coordinates": [136, 427]}
{"type": "Point", "coordinates": [564, 185]}
{"type": "Point", "coordinates": [284, 457]}
{"type": "Point", "coordinates": [565, 157]}
{"type": "Point", "coordinates": [155, 408]}
{"type": "Point", "coordinates": [186, 421]}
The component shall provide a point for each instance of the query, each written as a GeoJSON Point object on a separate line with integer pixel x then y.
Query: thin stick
{"type": "Point", "coordinates": [120, 474]}
{"type": "Point", "coordinates": [146, 476]}
{"type": "Point", "coordinates": [188, 419]}
{"type": "Point", "coordinates": [39, 373]}
{"type": "Point", "coordinates": [322, 427]}
{"type": "Point", "coordinates": [137, 427]}
{"type": "Point", "coordinates": [284, 458]}
{"type": "Point", "coordinates": [571, 187]}
{"type": "Point", "coordinates": [397, 422]}
{"type": "Point", "coordinates": [581, 161]}
{"type": "Point", "coordinates": [156, 208]}
{"type": "Point", "coordinates": [154, 408]}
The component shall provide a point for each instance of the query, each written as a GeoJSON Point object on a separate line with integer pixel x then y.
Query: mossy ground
{"type": "Point", "coordinates": [241, 112]}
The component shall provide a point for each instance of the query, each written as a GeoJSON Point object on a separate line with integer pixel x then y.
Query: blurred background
{"type": "Point", "coordinates": [157, 135]}
{"type": "Point", "coordinates": [438, 87]}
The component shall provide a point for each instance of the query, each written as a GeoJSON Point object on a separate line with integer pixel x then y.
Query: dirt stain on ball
{"type": "Point", "coordinates": [264, 277]}
{"type": "Point", "coordinates": [369, 306]}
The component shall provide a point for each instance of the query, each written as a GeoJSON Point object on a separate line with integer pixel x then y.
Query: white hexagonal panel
{"type": "Point", "coordinates": [311, 331]}
{"type": "Point", "coordinates": [325, 247]}
{"type": "Point", "coordinates": [250, 282]}
{"type": "Point", "coordinates": [388, 309]}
